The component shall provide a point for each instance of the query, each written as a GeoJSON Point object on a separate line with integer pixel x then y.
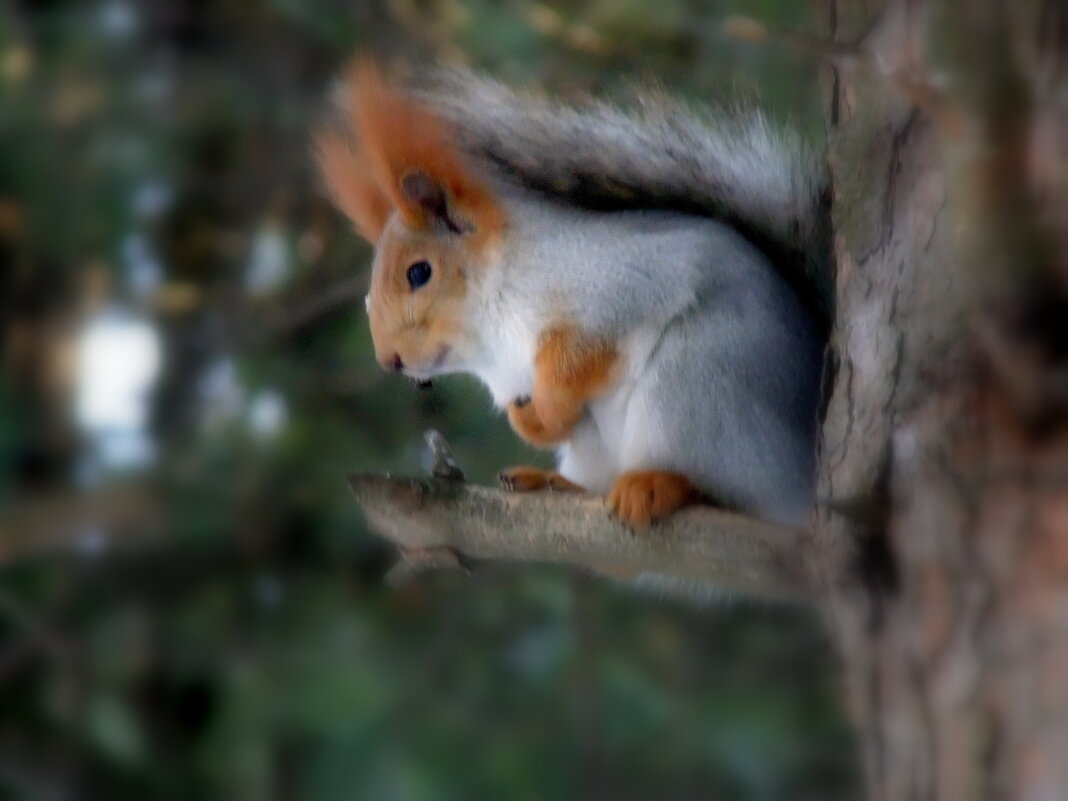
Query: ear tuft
{"type": "Point", "coordinates": [413, 158]}
{"type": "Point", "coordinates": [351, 185]}
{"type": "Point", "coordinates": [398, 154]}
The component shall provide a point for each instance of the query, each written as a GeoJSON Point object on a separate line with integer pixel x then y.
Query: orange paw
{"type": "Point", "coordinates": [532, 424]}
{"type": "Point", "coordinates": [642, 497]}
{"type": "Point", "coordinates": [570, 368]}
{"type": "Point", "coordinates": [531, 479]}
{"type": "Point", "coordinates": [559, 411]}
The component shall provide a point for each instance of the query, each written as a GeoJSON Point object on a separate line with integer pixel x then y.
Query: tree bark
{"type": "Point", "coordinates": [945, 440]}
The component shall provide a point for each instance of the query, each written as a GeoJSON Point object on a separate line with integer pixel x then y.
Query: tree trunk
{"type": "Point", "coordinates": [945, 445]}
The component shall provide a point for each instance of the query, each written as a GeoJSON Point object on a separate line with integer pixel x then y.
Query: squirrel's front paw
{"type": "Point", "coordinates": [539, 425]}
{"type": "Point", "coordinates": [642, 497]}
{"type": "Point", "coordinates": [532, 479]}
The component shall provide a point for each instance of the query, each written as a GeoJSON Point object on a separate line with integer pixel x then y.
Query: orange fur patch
{"type": "Point", "coordinates": [642, 497]}
{"type": "Point", "coordinates": [401, 136]}
{"type": "Point", "coordinates": [526, 422]}
{"type": "Point", "coordinates": [570, 368]}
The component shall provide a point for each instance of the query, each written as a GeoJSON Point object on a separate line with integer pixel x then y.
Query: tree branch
{"type": "Point", "coordinates": [439, 520]}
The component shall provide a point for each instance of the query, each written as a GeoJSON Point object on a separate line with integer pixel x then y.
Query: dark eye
{"type": "Point", "coordinates": [419, 274]}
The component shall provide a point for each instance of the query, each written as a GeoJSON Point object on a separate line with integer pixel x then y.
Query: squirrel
{"type": "Point", "coordinates": [639, 288]}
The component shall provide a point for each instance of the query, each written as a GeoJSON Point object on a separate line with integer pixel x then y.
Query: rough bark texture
{"type": "Point", "coordinates": [947, 468]}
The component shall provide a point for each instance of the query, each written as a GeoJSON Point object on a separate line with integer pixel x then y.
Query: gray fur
{"type": "Point", "coordinates": [723, 362]}
{"type": "Point", "coordinates": [655, 153]}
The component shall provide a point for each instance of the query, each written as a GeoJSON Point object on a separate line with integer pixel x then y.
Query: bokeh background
{"type": "Point", "coordinates": [190, 603]}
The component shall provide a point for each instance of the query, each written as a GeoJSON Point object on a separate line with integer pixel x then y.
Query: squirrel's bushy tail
{"type": "Point", "coordinates": [654, 152]}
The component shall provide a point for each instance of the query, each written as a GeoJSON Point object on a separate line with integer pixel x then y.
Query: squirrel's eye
{"type": "Point", "coordinates": [419, 274]}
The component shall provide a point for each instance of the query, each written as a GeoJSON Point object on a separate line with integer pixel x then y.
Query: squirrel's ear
{"type": "Point", "coordinates": [432, 199]}
{"type": "Point", "coordinates": [415, 161]}
{"type": "Point", "coordinates": [352, 187]}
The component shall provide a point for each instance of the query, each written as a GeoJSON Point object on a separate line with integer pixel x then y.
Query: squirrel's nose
{"type": "Point", "coordinates": [394, 363]}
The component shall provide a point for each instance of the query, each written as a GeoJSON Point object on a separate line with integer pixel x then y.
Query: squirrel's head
{"type": "Point", "coordinates": [421, 283]}
{"type": "Point", "coordinates": [434, 225]}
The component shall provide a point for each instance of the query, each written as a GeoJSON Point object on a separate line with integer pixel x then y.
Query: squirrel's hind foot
{"type": "Point", "coordinates": [642, 497]}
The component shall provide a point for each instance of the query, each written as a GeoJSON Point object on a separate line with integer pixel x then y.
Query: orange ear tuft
{"type": "Point", "coordinates": [407, 147]}
{"type": "Point", "coordinates": [352, 185]}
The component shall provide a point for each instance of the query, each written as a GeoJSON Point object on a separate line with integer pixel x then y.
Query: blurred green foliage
{"type": "Point", "coordinates": [233, 638]}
